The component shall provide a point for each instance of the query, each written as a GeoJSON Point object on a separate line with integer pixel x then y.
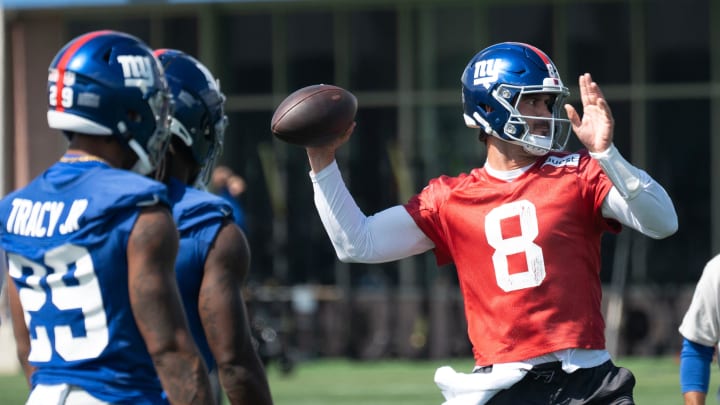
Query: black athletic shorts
{"type": "Point", "coordinates": [548, 384]}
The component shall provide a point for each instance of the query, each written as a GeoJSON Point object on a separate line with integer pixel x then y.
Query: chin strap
{"type": "Point", "coordinates": [624, 176]}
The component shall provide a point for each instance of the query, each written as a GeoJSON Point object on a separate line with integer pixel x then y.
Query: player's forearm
{"type": "Point", "coordinates": [184, 377]}
{"type": "Point", "coordinates": [651, 213]}
{"type": "Point", "coordinates": [182, 371]}
{"type": "Point", "coordinates": [245, 385]}
{"type": "Point", "coordinates": [224, 318]}
{"type": "Point", "coordinates": [20, 331]}
{"type": "Point", "coordinates": [28, 370]}
{"type": "Point", "coordinates": [695, 360]}
{"type": "Point", "coordinates": [320, 158]}
{"type": "Point", "coordinates": [637, 200]}
{"type": "Point", "coordinates": [624, 176]}
{"type": "Point", "coordinates": [22, 341]}
{"type": "Point", "coordinates": [654, 210]}
{"type": "Point", "coordinates": [694, 398]}
{"type": "Point", "coordinates": [341, 217]}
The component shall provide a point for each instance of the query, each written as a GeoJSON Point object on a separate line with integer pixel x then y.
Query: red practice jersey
{"type": "Point", "coordinates": [527, 254]}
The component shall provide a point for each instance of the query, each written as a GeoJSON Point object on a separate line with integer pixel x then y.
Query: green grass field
{"type": "Point", "coordinates": [402, 382]}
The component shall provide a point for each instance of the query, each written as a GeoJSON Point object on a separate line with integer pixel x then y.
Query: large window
{"type": "Point", "coordinates": [678, 36]}
{"type": "Point", "coordinates": [310, 56]}
{"type": "Point", "coordinates": [599, 41]}
{"type": "Point", "coordinates": [373, 50]}
{"type": "Point", "coordinates": [246, 48]}
{"type": "Point", "coordinates": [530, 23]}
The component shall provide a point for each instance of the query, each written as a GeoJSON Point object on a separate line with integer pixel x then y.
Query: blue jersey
{"type": "Point", "coordinates": [199, 216]}
{"type": "Point", "coordinates": [66, 236]}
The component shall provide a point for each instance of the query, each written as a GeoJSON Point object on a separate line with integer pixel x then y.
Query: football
{"type": "Point", "coordinates": [314, 115]}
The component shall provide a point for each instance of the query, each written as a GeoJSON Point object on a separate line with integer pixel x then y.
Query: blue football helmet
{"type": "Point", "coordinates": [495, 81]}
{"type": "Point", "coordinates": [199, 119]}
{"type": "Point", "coordinates": [109, 83]}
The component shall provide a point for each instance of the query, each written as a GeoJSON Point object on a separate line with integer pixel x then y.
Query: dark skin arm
{"type": "Point", "coordinates": [20, 330]}
{"type": "Point", "coordinates": [224, 317]}
{"type": "Point", "coordinates": [158, 311]}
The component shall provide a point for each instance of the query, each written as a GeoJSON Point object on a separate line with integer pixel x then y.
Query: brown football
{"type": "Point", "coordinates": [314, 115]}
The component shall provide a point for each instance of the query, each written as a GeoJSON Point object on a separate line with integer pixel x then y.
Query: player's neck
{"type": "Point", "coordinates": [504, 156]}
{"type": "Point", "coordinates": [73, 155]}
{"type": "Point", "coordinates": [100, 148]}
{"type": "Point", "coordinates": [178, 165]}
{"type": "Point", "coordinates": [506, 175]}
{"type": "Point", "coordinates": [77, 156]}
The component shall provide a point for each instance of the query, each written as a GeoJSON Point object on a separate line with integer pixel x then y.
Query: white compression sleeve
{"type": "Point", "coordinates": [386, 236]}
{"type": "Point", "coordinates": [637, 200]}
{"type": "Point", "coordinates": [624, 176]}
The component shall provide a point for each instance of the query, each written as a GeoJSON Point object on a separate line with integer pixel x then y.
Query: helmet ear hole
{"type": "Point", "coordinates": [133, 116]}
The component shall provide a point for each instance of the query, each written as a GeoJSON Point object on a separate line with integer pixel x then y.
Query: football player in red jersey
{"type": "Point", "coordinates": [523, 232]}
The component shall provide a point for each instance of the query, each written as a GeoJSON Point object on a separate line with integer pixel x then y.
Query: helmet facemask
{"type": "Point", "coordinates": [213, 153]}
{"type": "Point", "coordinates": [151, 154]}
{"type": "Point", "coordinates": [538, 135]}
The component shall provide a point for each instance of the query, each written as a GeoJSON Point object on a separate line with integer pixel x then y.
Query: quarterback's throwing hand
{"type": "Point", "coordinates": [595, 128]}
{"type": "Point", "coordinates": [321, 156]}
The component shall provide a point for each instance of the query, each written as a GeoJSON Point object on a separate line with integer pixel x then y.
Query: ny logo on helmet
{"type": "Point", "coordinates": [137, 70]}
{"type": "Point", "coordinates": [486, 72]}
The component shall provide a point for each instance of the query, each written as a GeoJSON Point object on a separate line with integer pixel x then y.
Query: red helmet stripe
{"type": "Point", "coordinates": [65, 59]}
{"type": "Point", "coordinates": [540, 53]}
